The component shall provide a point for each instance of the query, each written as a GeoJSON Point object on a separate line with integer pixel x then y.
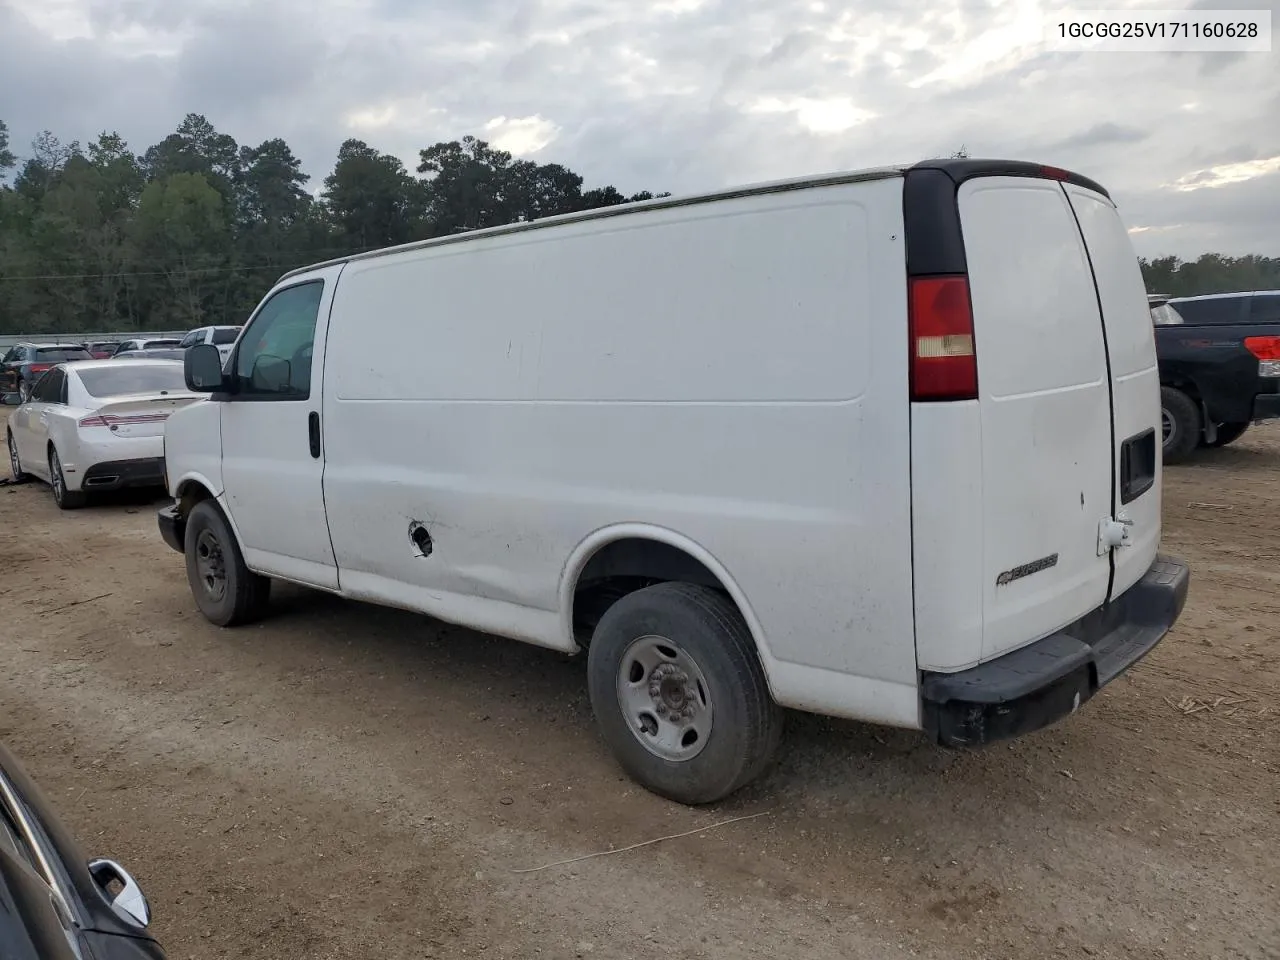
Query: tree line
{"type": "Point", "coordinates": [1210, 273]}
{"type": "Point", "coordinates": [196, 228]}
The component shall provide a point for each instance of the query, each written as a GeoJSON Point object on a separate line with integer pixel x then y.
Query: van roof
{"type": "Point", "coordinates": [958, 169]}
{"type": "Point", "coordinates": [1225, 296]}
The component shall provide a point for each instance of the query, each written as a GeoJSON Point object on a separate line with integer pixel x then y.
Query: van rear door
{"type": "Point", "coordinates": [1135, 383]}
{"type": "Point", "coordinates": [1044, 409]}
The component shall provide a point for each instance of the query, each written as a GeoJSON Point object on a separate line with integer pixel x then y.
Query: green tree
{"type": "Point", "coordinates": [371, 198]}
{"type": "Point", "coordinates": [1210, 273]}
{"type": "Point", "coordinates": [181, 229]}
{"type": "Point", "coordinates": [197, 147]}
{"type": "Point", "coordinates": [7, 159]}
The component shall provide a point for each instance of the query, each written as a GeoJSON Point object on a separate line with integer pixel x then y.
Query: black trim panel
{"type": "Point", "coordinates": [117, 474]}
{"type": "Point", "coordinates": [931, 218]}
{"type": "Point", "coordinates": [961, 170]}
{"type": "Point", "coordinates": [173, 527]}
{"type": "Point", "coordinates": [1266, 406]}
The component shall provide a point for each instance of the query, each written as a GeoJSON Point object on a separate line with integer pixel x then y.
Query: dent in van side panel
{"type": "Point", "coordinates": [724, 371]}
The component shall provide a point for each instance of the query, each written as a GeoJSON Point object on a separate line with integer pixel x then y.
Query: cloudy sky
{"type": "Point", "coordinates": [676, 95]}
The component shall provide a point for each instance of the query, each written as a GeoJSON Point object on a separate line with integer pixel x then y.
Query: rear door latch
{"type": "Point", "coordinates": [1113, 533]}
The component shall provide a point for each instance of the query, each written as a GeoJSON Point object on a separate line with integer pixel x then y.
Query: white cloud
{"type": "Point", "coordinates": [835, 115]}
{"type": "Point", "coordinates": [520, 135]}
{"type": "Point", "coordinates": [1226, 174]}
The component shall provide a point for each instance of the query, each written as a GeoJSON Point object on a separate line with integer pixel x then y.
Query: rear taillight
{"type": "Point", "coordinates": [1267, 350]}
{"type": "Point", "coordinates": [943, 363]}
{"type": "Point", "coordinates": [109, 421]}
{"type": "Point", "coordinates": [39, 367]}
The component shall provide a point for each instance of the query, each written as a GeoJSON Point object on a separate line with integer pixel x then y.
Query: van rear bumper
{"type": "Point", "coordinates": [1039, 684]}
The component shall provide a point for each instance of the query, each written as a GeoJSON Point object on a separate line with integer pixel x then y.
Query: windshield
{"type": "Point", "coordinates": [123, 379]}
{"type": "Point", "coordinates": [1165, 316]}
{"type": "Point", "coordinates": [59, 354]}
{"type": "Point", "coordinates": [223, 335]}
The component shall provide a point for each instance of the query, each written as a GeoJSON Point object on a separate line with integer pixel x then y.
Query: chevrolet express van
{"type": "Point", "coordinates": [881, 445]}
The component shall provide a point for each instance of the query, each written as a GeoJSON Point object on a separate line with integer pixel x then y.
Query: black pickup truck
{"type": "Point", "coordinates": [1219, 367]}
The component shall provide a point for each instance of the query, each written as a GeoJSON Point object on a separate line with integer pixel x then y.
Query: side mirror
{"type": "Point", "coordinates": [121, 891]}
{"type": "Point", "coordinates": [202, 368]}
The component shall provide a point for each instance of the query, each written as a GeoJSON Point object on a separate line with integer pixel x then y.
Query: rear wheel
{"type": "Point", "coordinates": [226, 591]}
{"type": "Point", "coordinates": [64, 498]}
{"type": "Point", "coordinates": [1228, 433]}
{"type": "Point", "coordinates": [1180, 419]}
{"type": "Point", "coordinates": [679, 694]}
{"type": "Point", "coordinates": [15, 463]}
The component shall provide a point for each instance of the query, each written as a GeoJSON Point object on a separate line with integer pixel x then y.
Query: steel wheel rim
{"type": "Point", "coordinates": [211, 566]}
{"type": "Point", "coordinates": [15, 465]}
{"type": "Point", "coordinates": [1167, 427]}
{"type": "Point", "coordinates": [55, 475]}
{"type": "Point", "coordinates": [665, 698]}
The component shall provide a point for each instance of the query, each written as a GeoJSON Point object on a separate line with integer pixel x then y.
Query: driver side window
{"type": "Point", "coordinates": [274, 357]}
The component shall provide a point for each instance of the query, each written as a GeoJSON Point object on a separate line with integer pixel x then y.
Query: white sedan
{"type": "Point", "coordinates": [96, 425]}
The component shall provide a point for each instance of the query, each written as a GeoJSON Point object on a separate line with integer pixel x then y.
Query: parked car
{"type": "Point", "coordinates": [148, 343]}
{"type": "Point", "coordinates": [1219, 367]}
{"type": "Point", "coordinates": [25, 363]}
{"type": "Point", "coordinates": [221, 337]}
{"type": "Point", "coordinates": [58, 904]}
{"type": "Point", "coordinates": [776, 474]}
{"type": "Point", "coordinates": [155, 353]}
{"type": "Point", "coordinates": [101, 349]}
{"type": "Point", "coordinates": [96, 426]}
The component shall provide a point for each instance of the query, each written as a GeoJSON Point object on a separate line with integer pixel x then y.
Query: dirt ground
{"type": "Point", "coordinates": [343, 781]}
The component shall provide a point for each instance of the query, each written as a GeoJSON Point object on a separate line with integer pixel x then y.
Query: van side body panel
{"type": "Point", "coordinates": [731, 372]}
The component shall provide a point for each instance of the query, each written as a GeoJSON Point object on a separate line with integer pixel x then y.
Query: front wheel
{"type": "Point", "coordinates": [1228, 433]}
{"type": "Point", "coordinates": [226, 591]}
{"type": "Point", "coordinates": [64, 498]}
{"type": "Point", "coordinates": [679, 694]}
{"type": "Point", "coordinates": [1180, 420]}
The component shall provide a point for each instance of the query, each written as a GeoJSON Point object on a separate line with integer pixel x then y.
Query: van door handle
{"type": "Point", "coordinates": [313, 433]}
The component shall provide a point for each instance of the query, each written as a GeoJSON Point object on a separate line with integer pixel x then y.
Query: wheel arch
{"type": "Point", "coordinates": [190, 490]}
{"type": "Point", "coordinates": [648, 551]}
{"type": "Point", "coordinates": [194, 488]}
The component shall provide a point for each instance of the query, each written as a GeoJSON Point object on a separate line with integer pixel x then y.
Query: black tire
{"type": "Point", "coordinates": [1228, 433]}
{"type": "Point", "coordinates": [17, 474]}
{"type": "Point", "coordinates": [702, 625]}
{"type": "Point", "coordinates": [64, 498]}
{"type": "Point", "coordinates": [1183, 429]}
{"type": "Point", "coordinates": [235, 596]}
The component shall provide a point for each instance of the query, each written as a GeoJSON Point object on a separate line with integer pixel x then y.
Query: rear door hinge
{"type": "Point", "coordinates": [1113, 533]}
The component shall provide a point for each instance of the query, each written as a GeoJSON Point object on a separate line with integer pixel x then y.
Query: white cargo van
{"type": "Point", "coordinates": [880, 445]}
